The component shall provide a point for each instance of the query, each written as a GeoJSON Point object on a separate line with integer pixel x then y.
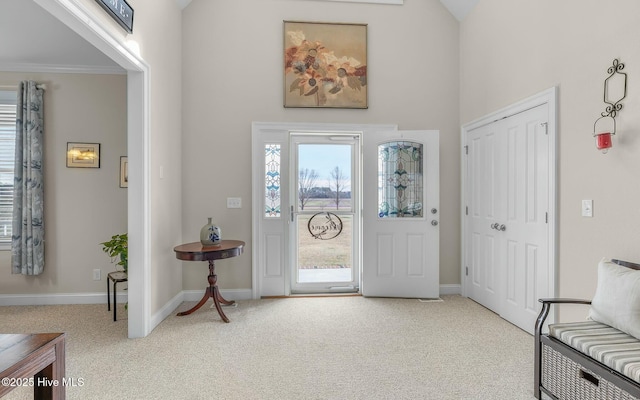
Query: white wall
{"type": "Point", "coordinates": [157, 30]}
{"type": "Point", "coordinates": [83, 207]}
{"type": "Point", "coordinates": [157, 35]}
{"type": "Point", "coordinates": [511, 50]}
{"type": "Point", "coordinates": [233, 75]}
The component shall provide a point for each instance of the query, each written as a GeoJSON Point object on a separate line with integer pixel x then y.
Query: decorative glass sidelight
{"type": "Point", "coordinates": [400, 180]}
{"type": "Point", "coordinates": [272, 181]}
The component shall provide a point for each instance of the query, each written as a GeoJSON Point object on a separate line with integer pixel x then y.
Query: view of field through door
{"type": "Point", "coordinates": [325, 213]}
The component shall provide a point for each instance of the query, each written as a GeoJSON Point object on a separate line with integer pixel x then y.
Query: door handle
{"type": "Point", "coordinates": [499, 227]}
{"type": "Point", "coordinates": [434, 222]}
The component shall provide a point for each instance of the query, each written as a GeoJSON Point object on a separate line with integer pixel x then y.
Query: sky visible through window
{"type": "Point", "coordinates": [323, 158]}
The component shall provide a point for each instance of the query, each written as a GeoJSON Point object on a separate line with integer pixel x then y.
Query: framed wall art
{"type": "Point", "coordinates": [120, 11]}
{"type": "Point", "coordinates": [83, 155]}
{"type": "Point", "coordinates": [124, 172]}
{"type": "Point", "coordinates": [325, 65]}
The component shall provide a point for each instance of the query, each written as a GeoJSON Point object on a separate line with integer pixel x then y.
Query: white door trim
{"type": "Point", "coordinates": [549, 97]}
{"type": "Point", "coordinates": [78, 18]}
{"type": "Point", "coordinates": [258, 255]}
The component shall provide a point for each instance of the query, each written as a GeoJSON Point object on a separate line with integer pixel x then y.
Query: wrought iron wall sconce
{"type": "Point", "coordinates": [605, 126]}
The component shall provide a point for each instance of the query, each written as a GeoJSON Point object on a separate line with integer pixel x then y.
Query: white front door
{"type": "Point", "coordinates": [507, 234]}
{"type": "Point", "coordinates": [401, 214]}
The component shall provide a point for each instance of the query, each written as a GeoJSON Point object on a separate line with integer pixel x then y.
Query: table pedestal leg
{"type": "Point", "coordinates": [213, 292]}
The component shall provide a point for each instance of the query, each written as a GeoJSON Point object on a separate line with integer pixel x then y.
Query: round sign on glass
{"type": "Point", "coordinates": [325, 226]}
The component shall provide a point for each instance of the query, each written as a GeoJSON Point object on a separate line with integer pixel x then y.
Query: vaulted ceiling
{"type": "Point", "coordinates": [54, 47]}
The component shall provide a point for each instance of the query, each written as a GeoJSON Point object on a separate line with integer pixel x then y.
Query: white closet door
{"type": "Point", "coordinates": [526, 235]}
{"type": "Point", "coordinates": [507, 231]}
{"type": "Point", "coordinates": [486, 183]}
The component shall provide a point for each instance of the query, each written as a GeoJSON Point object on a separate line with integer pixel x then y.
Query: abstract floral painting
{"type": "Point", "coordinates": [325, 65]}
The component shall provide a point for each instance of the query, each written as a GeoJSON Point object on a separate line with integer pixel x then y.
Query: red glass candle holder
{"type": "Point", "coordinates": [603, 141]}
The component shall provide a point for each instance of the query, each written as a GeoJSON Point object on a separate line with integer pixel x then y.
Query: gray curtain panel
{"type": "Point", "coordinates": [27, 242]}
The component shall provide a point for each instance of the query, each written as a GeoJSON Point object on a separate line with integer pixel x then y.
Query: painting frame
{"type": "Point", "coordinates": [121, 12]}
{"type": "Point", "coordinates": [83, 155]}
{"type": "Point", "coordinates": [325, 65]}
{"type": "Point", "coordinates": [124, 171]}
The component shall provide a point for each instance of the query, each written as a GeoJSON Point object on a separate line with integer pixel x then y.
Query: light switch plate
{"type": "Point", "coordinates": [587, 208]}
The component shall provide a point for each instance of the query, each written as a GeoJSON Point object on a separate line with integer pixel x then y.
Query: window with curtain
{"type": "Point", "coordinates": [7, 156]}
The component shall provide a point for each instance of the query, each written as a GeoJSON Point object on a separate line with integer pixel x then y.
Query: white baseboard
{"type": "Point", "coordinates": [121, 297]}
{"type": "Point", "coordinates": [58, 298]}
{"type": "Point", "coordinates": [451, 289]}
{"type": "Point", "coordinates": [167, 310]}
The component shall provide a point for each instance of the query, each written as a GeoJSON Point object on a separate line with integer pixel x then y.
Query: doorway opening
{"type": "Point", "coordinates": [325, 213]}
{"type": "Point", "coordinates": [94, 30]}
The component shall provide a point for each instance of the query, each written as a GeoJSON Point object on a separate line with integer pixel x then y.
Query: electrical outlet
{"type": "Point", "coordinates": [234, 202]}
{"type": "Point", "coordinates": [96, 274]}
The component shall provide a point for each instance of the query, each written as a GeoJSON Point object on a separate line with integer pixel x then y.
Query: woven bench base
{"type": "Point", "coordinates": [567, 380]}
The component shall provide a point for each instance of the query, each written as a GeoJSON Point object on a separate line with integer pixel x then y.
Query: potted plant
{"type": "Point", "coordinates": [117, 248]}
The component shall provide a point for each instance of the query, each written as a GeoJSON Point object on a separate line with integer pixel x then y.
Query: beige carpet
{"type": "Point", "coordinates": [296, 348]}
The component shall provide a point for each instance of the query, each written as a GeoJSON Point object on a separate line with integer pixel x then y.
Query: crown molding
{"type": "Point", "coordinates": [62, 69]}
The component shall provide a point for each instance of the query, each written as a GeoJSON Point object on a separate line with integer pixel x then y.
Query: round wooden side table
{"type": "Point", "coordinates": [196, 251]}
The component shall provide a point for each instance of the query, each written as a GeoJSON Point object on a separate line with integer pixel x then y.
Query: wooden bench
{"type": "Point", "coordinates": [35, 360]}
{"type": "Point", "coordinates": [565, 372]}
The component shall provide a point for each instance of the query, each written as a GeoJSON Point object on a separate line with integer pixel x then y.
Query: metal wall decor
{"type": "Point", "coordinates": [615, 90]}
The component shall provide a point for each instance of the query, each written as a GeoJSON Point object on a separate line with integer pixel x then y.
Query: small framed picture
{"type": "Point", "coordinates": [83, 155]}
{"type": "Point", "coordinates": [124, 172]}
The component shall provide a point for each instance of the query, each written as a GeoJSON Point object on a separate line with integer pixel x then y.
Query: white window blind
{"type": "Point", "coordinates": [7, 147]}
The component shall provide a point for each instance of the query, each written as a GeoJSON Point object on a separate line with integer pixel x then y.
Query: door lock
{"type": "Point", "coordinates": [434, 222]}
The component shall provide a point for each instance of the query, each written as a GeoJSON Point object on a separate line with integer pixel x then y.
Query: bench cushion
{"type": "Point", "coordinates": [611, 347]}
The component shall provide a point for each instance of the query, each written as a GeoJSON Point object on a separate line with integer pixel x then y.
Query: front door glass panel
{"type": "Point", "coordinates": [325, 213]}
{"type": "Point", "coordinates": [400, 180]}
